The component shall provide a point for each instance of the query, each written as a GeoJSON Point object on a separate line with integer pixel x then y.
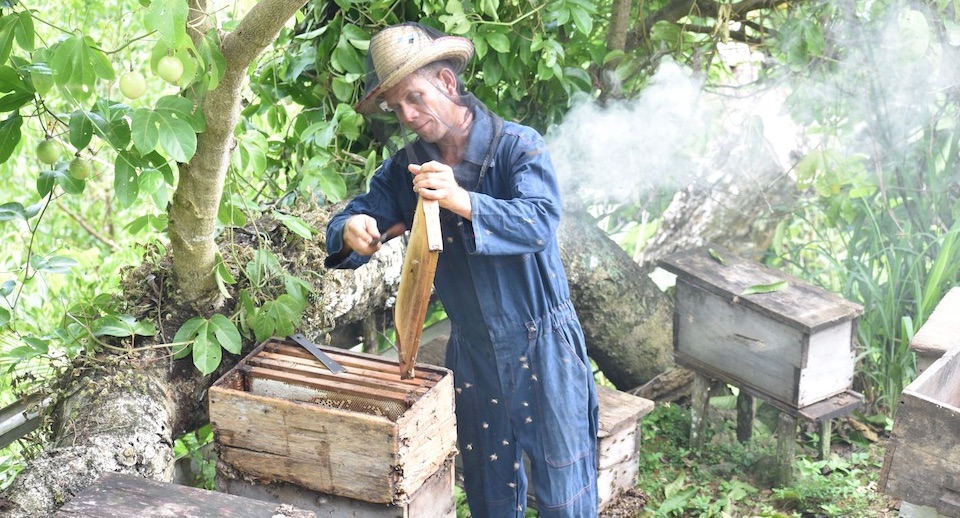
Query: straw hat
{"type": "Point", "coordinates": [399, 50]}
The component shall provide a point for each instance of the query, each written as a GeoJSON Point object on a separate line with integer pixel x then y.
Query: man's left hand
{"type": "Point", "coordinates": [434, 181]}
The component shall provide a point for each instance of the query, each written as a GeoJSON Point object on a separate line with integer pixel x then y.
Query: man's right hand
{"type": "Point", "coordinates": [361, 235]}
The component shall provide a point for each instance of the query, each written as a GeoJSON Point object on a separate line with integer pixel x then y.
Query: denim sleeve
{"type": "Point", "coordinates": [384, 202]}
{"type": "Point", "coordinates": [522, 214]}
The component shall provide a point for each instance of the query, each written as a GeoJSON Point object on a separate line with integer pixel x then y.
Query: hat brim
{"type": "Point", "coordinates": [454, 48]}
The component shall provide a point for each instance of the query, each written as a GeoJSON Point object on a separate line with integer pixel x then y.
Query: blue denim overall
{"type": "Point", "coordinates": [521, 374]}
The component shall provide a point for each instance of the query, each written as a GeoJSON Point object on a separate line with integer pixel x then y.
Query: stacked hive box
{"type": "Point", "coordinates": [281, 417]}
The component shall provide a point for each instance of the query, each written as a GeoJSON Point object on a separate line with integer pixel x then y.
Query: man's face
{"type": "Point", "coordinates": [423, 105]}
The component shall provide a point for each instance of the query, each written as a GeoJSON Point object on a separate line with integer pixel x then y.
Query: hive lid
{"type": "Point", "coordinates": [798, 304]}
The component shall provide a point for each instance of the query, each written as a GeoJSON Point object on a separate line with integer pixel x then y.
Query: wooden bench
{"type": "Point", "coordinates": [116, 495]}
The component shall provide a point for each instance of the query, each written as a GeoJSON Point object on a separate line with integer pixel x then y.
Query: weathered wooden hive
{"type": "Point", "coordinates": [922, 463]}
{"type": "Point", "coordinates": [791, 346]}
{"type": "Point", "coordinates": [365, 434]}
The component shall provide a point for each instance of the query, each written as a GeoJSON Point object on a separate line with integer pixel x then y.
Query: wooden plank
{"type": "Point", "coordinates": [620, 410]}
{"type": "Point", "coordinates": [829, 364]}
{"type": "Point", "coordinates": [342, 452]}
{"type": "Point", "coordinates": [416, 283]}
{"type": "Point", "coordinates": [116, 495]}
{"type": "Point", "coordinates": [746, 412]}
{"type": "Point", "coordinates": [435, 498]}
{"type": "Point", "coordinates": [381, 364]}
{"type": "Point", "coordinates": [834, 406]}
{"type": "Point", "coordinates": [800, 304]}
{"type": "Point", "coordinates": [330, 385]}
{"type": "Point", "coordinates": [700, 402]}
{"type": "Point", "coordinates": [786, 448]}
{"type": "Point", "coordinates": [358, 376]}
{"type": "Point", "coordinates": [941, 332]}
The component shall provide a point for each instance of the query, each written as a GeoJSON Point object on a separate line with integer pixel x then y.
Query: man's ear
{"type": "Point", "coordinates": [448, 79]}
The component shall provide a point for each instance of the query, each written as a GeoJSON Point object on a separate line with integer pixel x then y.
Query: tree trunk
{"type": "Point", "coordinates": [193, 213]}
{"type": "Point", "coordinates": [627, 320]}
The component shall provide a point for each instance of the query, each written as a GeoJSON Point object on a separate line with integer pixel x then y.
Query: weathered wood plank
{"type": "Point", "coordinates": [940, 333]}
{"type": "Point", "coordinates": [116, 495]}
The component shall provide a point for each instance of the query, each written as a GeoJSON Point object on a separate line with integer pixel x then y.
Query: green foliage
{"type": "Point", "coordinates": [197, 446]}
{"type": "Point", "coordinates": [879, 220]}
{"type": "Point", "coordinates": [726, 478]}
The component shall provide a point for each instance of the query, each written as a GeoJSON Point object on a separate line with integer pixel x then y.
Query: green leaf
{"type": "Point", "coordinates": [15, 101]}
{"type": "Point", "coordinates": [112, 325]}
{"type": "Point", "coordinates": [82, 125]}
{"type": "Point", "coordinates": [215, 63]}
{"type": "Point", "coordinates": [4, 317]}
{"type": "Point", "coordinates": [67, 182]}
{"type": "Point", "coordinates": [206, 354]}
{"type": "Point", "coordinates": [226, 333]}
{"type": "Point", "coordinates": [764, 288]}
{"type": "Point", "coordinates": [76, 63]}
{"type": "Point", "coordinates": [169, 19]}
{"type": "Point", "coordinates": [182, 108]}
{"type": "Point", "coordinates": [187, 332]}
{"type": "Point", "coordinates": [10, 80]}
{"type": "Point", "coordinates": [53, 263]}
{"type": "Point", "coordinates": [9, 136]}
{"type": "Point", "coordinates": [24, 32]}
{"type": "Point", "coordinates": [499, 42]}
{"type": "Point", "coordinates": [150, 181]}
{"type": "Point", "coordinates": [177, 138]}
{"type": "Point", "coordinates": [144, 126]}
{"type": "Point", "coordinates": [332, 185]}
{"type": "Point", "coordinates": [12, 210]}
{"type": "Point", "coordinates": [295, 225]}
{"type": "Point", "coordinates": [125, 183]}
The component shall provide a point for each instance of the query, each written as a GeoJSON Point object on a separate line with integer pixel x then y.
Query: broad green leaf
{"type": "Point", "coordinates": [583, 20]}
{"type": "Point", "coordinates": [15, 101]}
{"type": "Point", "coordinates": [125, 183]}
{"type": "Point", "coordinates": [112, 325]}
{"type": "Point", "coordinates": [77, 64]}
{"type": "Point", "coordinates": [764, 288]}
{"type": "Point", "coordinates": [9, 136]}
{"type": "Point", "coordinates": [68, 183]}
{"type": "Point", "coordinates": [215, 63]}
{"type": "Point", "coordinates": [187, 332]}
{"type": "Point", "coordinates": [23, 30]}
{"type": "Point", "coordinates": [53, 263]}
{"type": "Point", "coordinates": [4, 316]}
{"type": "Point", "coordinates": [6, 289]}
{"type": "Point", "coordinates": [82, 126]}
{"type": "Point", "coordinates": [150, 181]}
{"type": "Point", "coordinates": [10, 80]}
{"type": "Point", "coordinates": [182, 108]}
{"type": "Point", "coordinates": [295, 225]}
{"type": "Point", "coordinates": [11, 210]}
{"type": "Point", "coordinates": [206, 354]}
{"type": "Point", "coordinates": [499, 42]}
{"type": "Point", "coordinates": [226, 333]}
{"type": "Point", "coordinates": [177, 138]}
{"type": "Point", "coordinates": [169, 19]}
{"type": "Point", "coordinates": [8, 33]}
{"type": "Point", "coordinates": [332, 185]}
{"type": "Point", "coordinates": [145, 129]}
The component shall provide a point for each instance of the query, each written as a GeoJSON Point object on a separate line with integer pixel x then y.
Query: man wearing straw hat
{"type": "Point", "coordinates": [522, 377]}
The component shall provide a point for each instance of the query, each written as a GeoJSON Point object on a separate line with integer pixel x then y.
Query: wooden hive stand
{"type": "Point", "coordinates": [773, 336]}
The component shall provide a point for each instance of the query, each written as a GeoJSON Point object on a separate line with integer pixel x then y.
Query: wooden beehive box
{"type": "Point", "coordinates": [618, 442]}
{"type": "Point", "coordinates": [922, 463]}
{"type": "Point", "coordinates": [363, 434]}
{"type": "Point", "coordinates": [792, 347]}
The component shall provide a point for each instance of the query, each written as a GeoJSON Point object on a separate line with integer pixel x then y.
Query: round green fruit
{"type": "Point", "coordinates": [80, 168]}
{"type": "Point", "coordinates": [170, 68]}
{"type": "Point", "coordinates": [48, 151]}
{"type": "Point", "coordinates": [132, 84]}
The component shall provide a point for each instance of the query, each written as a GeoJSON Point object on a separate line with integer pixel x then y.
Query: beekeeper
{"type": "Point", "coordinates": [522, 378]}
